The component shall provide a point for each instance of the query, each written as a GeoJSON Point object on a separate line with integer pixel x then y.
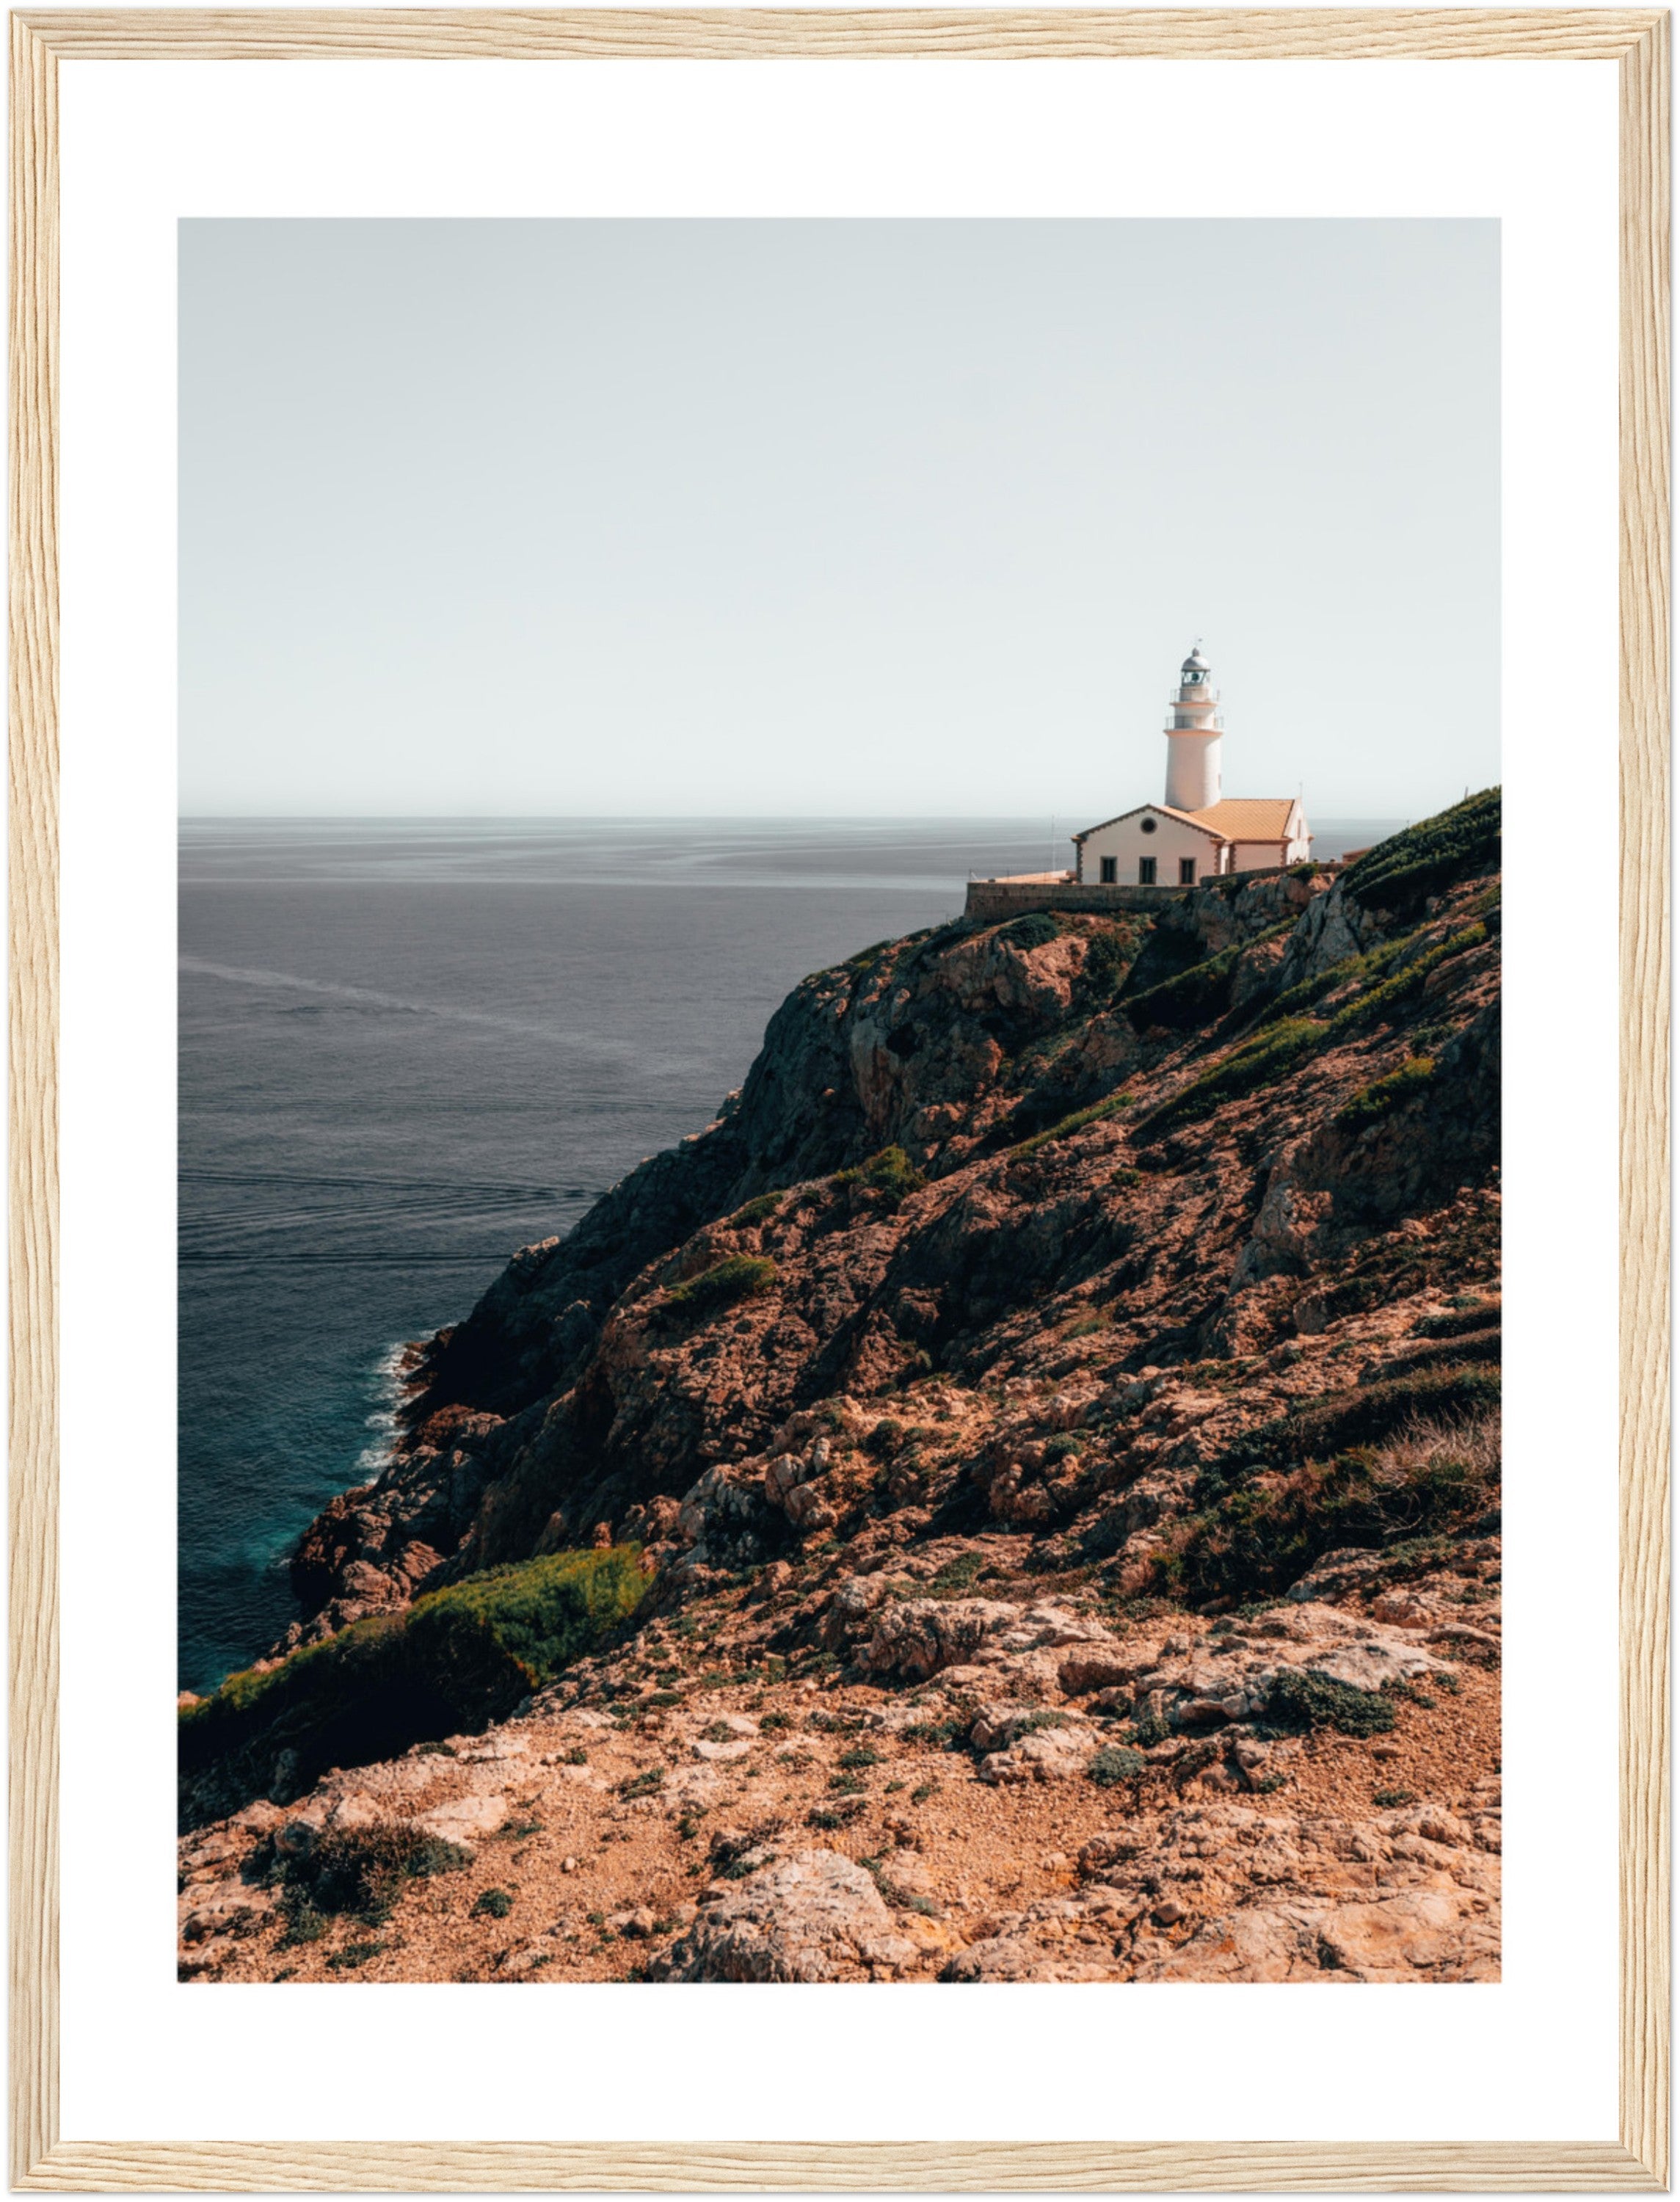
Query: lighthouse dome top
{"type": "Point", "coordinates": [1195, 668]}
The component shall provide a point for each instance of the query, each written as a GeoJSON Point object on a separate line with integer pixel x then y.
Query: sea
{"type": "Point", "coordinates": [409, 1047]}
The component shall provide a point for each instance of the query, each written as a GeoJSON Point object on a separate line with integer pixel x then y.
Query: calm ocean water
{"type": "Point", "coordinates": [408, 1048]}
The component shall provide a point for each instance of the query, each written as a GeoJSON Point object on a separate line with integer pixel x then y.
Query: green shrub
{"type": "Point", "coordinates": [1116, 1763]}
{"type": "Point", "coordinates": [1388, 1800]}
{"type": "Point", "coordinates": [1080, 1117]}
{"type": "Point", "coordinates": [839, 1815]}
{"type": "Point", "coordinates": [647, 1784]}
{"type": "Point", "coordinates": [1400, 873]}
{"type": "Point", "coordinates": [939, 1735]}
{"type": "Point", "coordinates": [1370, 1008]}
{"type": "Point", "coordinates": [1484, 1345]}
{"type": "Point", "coordinates": [1110, 955]}
{"type": "Point", "coordinates": [1372, 1103]}
{"type": "Point", "coordinates": [1459, 1321]}
{"type": "Point", "coordinates": [737, 1277]}
{"type": "Point", "coordinates": [361, 1871]}
{"type": "Point", "coordinates": [1030, 1723]}
{"type": "Point", "coordinates": [355, 1953]}
{"type": "Point", "coordinates": [1265, 1533]}
{"type": "Point", "coordinates": [455, 1661]}
{"type": "Point", "coordinates": [1294, 999]}
{"type": "Point", "coordinates": [1301, 1698]}
{"type": "Point", "coordinates": [1194, 998]}
{"type": "Point", "coordinates": [1037, 929]}
{"type": "Point", "coordinates": [493, 1903]}
{"type": "Point", "coordinates": [755, 1212]}
{"type": "Point", "coordinates": [953, 1579]}
{"type": "Point", "coordinates": [1359, 1416]}
{"type": "Point", "coordinates": [1257, 1062]}
{"type": "Point", "coordinates": [890, 1172]}
{"type": "Point", "coordinates": [491, 1639]}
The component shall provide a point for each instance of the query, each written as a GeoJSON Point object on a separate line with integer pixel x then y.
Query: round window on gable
{"type": "Point", "coordinates": [1146, 825]}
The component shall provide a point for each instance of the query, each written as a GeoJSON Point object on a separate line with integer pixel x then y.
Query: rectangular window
{"type": "Point", "coordinates": [1187, 871]}
{"type": "Point", "coordinates": [1145, 871]}
{"type": "Point", "coordinates": [1110, 870]}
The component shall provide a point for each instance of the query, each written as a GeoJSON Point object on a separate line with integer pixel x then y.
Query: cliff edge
{"type": "Point", "coordinates": [1064, 1376]}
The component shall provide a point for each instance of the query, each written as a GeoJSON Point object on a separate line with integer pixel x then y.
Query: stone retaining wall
{"type": "Point", "coordinates": [992, 900]}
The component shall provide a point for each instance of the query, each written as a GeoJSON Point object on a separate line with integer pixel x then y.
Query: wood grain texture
{"type": "Point", "coordinates": [32, 1124]}
{"type": "Point", "coordinates": [538, 34]}
{"type": "Point", "coordinates": [1639, 2160]}
{"type": "Point", "coordinates": [1644, 1492]}
{"type": "Point", "coordinates": [940, 2167]}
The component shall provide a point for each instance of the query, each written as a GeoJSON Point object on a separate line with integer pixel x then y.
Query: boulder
{"type": "Point", "coordinates": [463, 1819]}
{"type": "Point", "coordinates": [813, 1916]}
{"type": "Point", "coordinates": [917, 1638]}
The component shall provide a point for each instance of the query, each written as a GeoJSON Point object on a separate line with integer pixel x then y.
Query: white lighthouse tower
{"type": "Point", "coordinates": [1193, 732]}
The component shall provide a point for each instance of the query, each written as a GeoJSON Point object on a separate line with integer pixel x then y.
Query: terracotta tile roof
{"type": "Point", "coordinates": [1249, 818]}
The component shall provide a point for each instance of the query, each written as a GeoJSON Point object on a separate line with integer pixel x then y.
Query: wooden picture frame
{"type": "Point", "coordinates": [1638, 39]}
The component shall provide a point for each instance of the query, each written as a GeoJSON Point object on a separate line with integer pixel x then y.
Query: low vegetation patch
{"type": "Point", "coordinates": [737, 1277]}
{"type": "Point", "coordinates": [1110, 951]}
{"type": "Point", "coordinates": [1077, 1122]}
{"type": "Point", "coordinates": [456, 1660]}
{"type": "Point", "coordinates": [1257, 1062]}
{"type": "Point", "coordinates": [360, 1872]}
{"type": "Point", "coordinates": [1370, 1008]}
{"type": "Point", "coordinates": [755, 1212]}
{"type": "Point", "coordinates": [1116, 1763]}
{"type": "Point", "coordinates": [1363, 1415]}
{"type": "Point", "coordinates": [1195, 998]}
{"type": "Point", "coordinates": [1037, 929]}
{"type": "Point", "coordinates": [891, 1172]}
{"type": "Point", "coordinates": [356, 1954]}
{"type": "Point", "coordinates": [1457, 1322]}
{"type": "Point", "coordinates": [1372, 1103]}
{"type": "Point", "coordinates": [1303, 1698]}
{"type": "Point", "coordinates": [1400, 873]}
{"type": "Point", "coordinates": [1427, 1481]}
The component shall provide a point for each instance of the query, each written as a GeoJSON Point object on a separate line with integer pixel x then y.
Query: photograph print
{"type": "Point", "coordinates": [839, 1264]}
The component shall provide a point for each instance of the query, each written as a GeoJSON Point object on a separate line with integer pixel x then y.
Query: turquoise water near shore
{"type": "Point", "coordinates": [408, 1047]}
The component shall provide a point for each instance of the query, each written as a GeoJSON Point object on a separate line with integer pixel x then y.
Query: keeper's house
{"type": "Point", "coordinates": [1156, 846]}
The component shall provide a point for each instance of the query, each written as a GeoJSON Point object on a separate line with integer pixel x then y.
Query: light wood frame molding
{"type": "Point", "coordinates": [1638, 40]}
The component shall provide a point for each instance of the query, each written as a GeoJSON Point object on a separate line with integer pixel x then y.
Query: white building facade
{"type": "Point", "coordinates": [1198, 832]}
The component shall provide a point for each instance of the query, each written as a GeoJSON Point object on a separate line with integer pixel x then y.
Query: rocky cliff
{"type": "Point", "coordinates": [1077, 1343]}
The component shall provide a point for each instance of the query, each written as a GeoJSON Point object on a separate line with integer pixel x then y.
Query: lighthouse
{"type": "Point", "coordinates": [1193, 732]}
{"type": "Point", "coordinates": [1199, 832]}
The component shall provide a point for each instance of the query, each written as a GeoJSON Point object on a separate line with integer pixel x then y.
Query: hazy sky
{"type": "Point", "coordinates": [833, 517]}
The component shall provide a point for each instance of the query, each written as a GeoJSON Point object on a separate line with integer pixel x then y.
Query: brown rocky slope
{"type": "Point", "coordinates": [1056, 1405]}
